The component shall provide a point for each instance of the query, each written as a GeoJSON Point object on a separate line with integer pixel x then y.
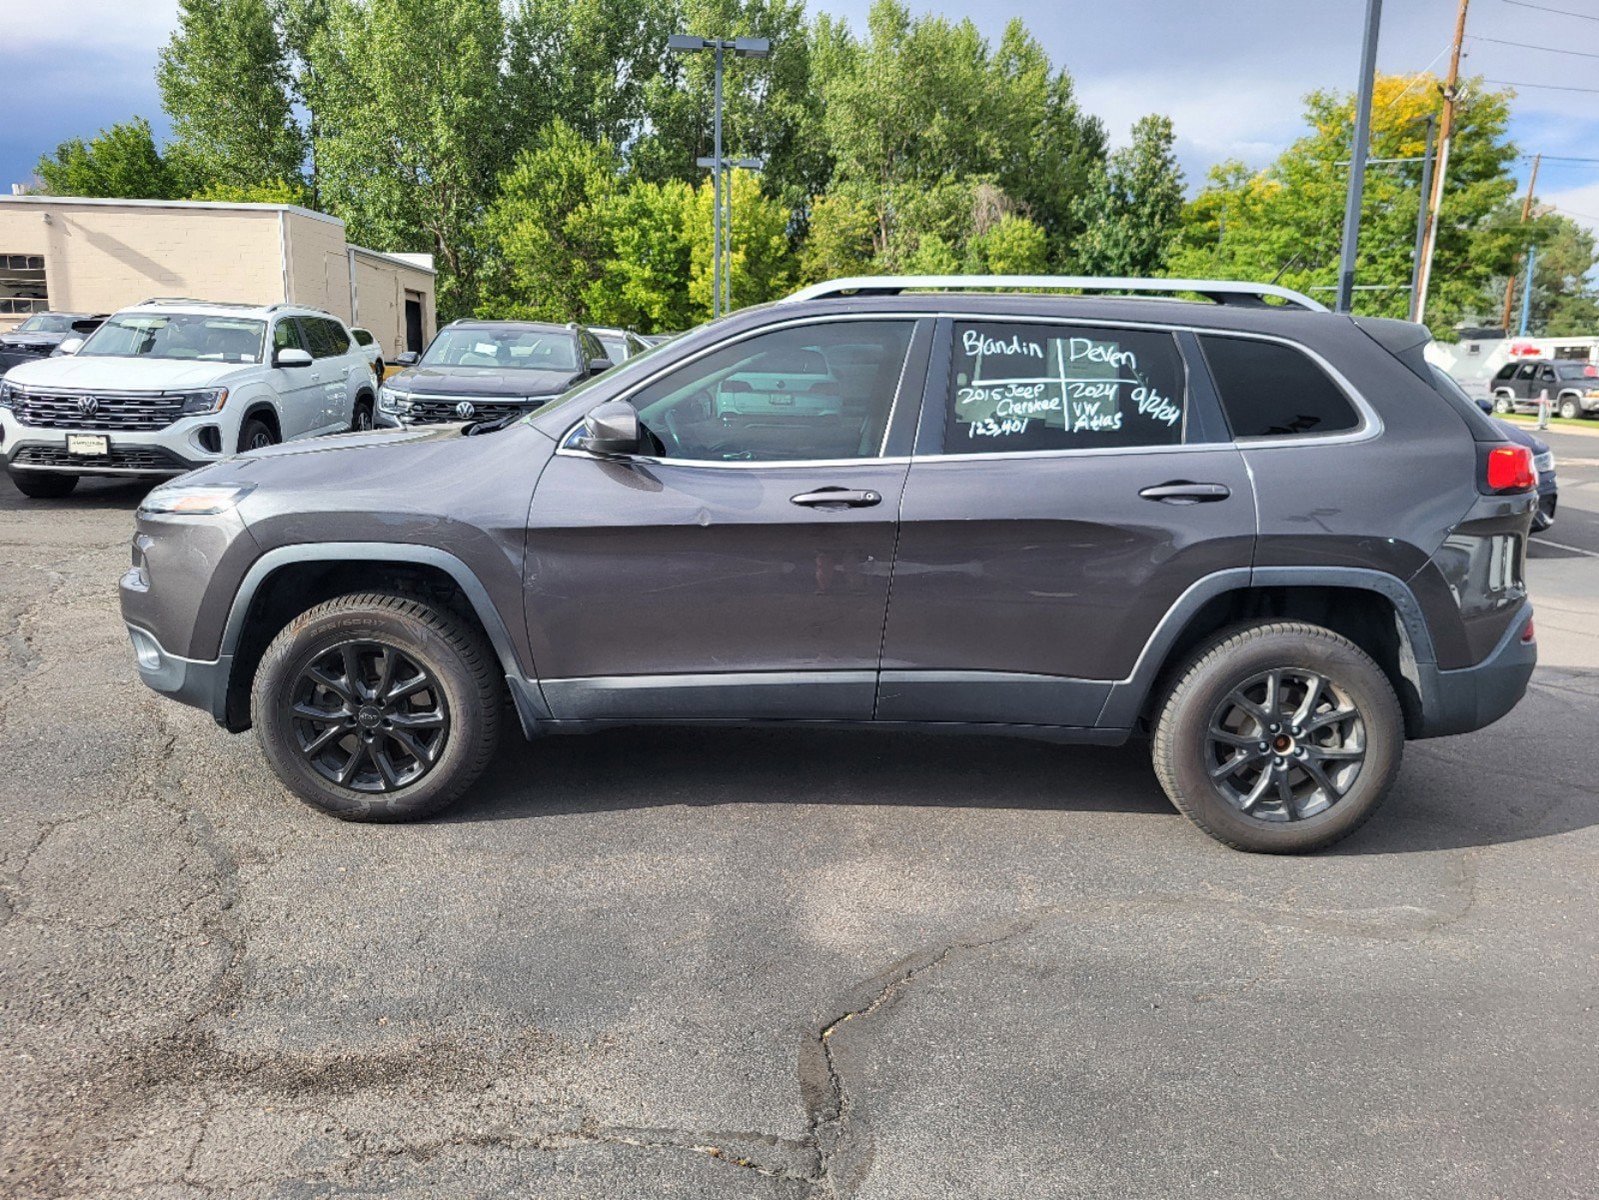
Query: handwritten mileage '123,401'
{"type": "Point", "coordinates": [1076, 405]}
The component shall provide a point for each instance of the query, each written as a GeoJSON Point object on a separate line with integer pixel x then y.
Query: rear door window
{"type": "Point", "coordinates": [1269, 389]}
{"type": "Point", "coordinates": [315, 331]}
{"type": "Point", "coordinates": [1019, 387]}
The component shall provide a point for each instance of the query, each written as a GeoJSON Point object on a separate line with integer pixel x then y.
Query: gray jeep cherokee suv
{"type": "Point", "coordinates": [1256, 533]}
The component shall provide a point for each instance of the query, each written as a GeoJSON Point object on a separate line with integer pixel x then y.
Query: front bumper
{"type": "Point", "coordinates": [1471, 698]}
{"type": "Point", "coordinates": [199, 684]}
{"type": "Point", "coordinates": [164, 452]}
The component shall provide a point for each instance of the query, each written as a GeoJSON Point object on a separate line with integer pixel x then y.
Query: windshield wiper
{"type": "Point", "coordinates": [494, 426]}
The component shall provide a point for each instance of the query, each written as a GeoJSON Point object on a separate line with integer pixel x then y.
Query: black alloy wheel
{"type": "Point", "coordinates": [1285, 745]}
{"type": "Point", "coordinates": [1280, 737]}
{"type": "Point", "coordinates": [369, 717]}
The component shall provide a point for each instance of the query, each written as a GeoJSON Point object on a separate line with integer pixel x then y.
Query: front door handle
{"type": "Point", "coordinates": [837, 497]}
{"type": "Point", "coordinates": [1181, 491]}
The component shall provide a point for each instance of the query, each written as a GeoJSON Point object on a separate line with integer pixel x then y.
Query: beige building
{"type": "Point", "coordinates": [72, 254]}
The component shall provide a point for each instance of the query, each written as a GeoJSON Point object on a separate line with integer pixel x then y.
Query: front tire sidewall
{"type": "Point", "coordinates": [1181, 735]}
{"type": "Point", "coordinates": [472, 719]}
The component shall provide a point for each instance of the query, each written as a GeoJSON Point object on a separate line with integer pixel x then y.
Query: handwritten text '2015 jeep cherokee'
{"type": "Point", "coordinates": [1256, 532]}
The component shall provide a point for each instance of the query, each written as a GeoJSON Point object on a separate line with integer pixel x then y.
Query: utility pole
{"type": "Point", "coordinates": [1526, 211]}
{"type": "Point", "coordinates": [1421, 213]}
{"type": "Point", "coordinates": [1446, 128]}
{"type": "Point", "coordinates": [1357, 159]}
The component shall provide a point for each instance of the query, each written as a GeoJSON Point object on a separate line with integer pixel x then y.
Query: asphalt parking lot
{"type": "Point", "coordinates": [765, 964]}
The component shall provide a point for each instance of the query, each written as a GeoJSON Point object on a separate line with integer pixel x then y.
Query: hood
{"type": "Point", "coordinates": [41, 338]}
{"type": "Point", "coordinates": [125, 374]}
{"type": "Point", "coordinates": [481, 381]}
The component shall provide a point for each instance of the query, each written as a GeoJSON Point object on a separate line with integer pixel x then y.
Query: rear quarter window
{"type": "Point", "coordinates": [1269, 389]}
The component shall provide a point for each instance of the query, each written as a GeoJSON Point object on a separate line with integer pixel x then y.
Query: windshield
{"type": "Point", "coordinates": [46, 323]}
{"type": "Point", "coordinates": [177, 335]}
{"type": "Point", "coordinates": [513, 349]}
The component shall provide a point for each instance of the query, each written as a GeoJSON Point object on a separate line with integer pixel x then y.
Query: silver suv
{"type": "Point", "coordinates": [169, 385]}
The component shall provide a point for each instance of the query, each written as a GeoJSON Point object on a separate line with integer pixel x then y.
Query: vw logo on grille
{"type": "Point", "coordinates": [88, 405]}
{"type": "Point", "coordinates": [464, 409]}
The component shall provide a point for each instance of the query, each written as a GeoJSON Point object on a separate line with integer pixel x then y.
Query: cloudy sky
{"type": "Point", "coordinates": [1229, 72]}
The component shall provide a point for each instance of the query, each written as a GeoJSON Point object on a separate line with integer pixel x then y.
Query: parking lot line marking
{"type": "Point", "coordinates": [1563, 546]}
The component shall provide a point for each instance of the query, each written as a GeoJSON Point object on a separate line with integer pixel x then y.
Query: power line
{"type": "Point", "coordinates": [1548, 87]}
{"type": "Point", "coordinates": [1477, 37]}
{"type": "Point", "coordinates": [1564, 12]}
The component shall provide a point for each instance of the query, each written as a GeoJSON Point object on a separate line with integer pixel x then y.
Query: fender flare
{"type": "Point", "coordinates": [334, 552]}
{"type": "Point", "coordinates": [1128, 696]}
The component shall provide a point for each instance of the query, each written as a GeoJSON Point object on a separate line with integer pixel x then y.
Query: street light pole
{"type": "Point", "coordinates": [1357, 159]}
{"type": "Point", "coordinates": [721, 223]}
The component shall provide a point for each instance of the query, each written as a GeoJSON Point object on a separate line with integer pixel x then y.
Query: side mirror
{"type": "Point", "coordinates": [70, 345]}
{"type": "Point", "coordinates": [610, 428]}
{"type": "Point", "coordinates": [291, 356]}
{"type": "Point", "coordinates": [409, 359]}
{"type": "Point", "coordinates": [596, 365]}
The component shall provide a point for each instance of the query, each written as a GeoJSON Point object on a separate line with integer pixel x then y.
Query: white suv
{"type": "Point", "coordinates": [170, 385]}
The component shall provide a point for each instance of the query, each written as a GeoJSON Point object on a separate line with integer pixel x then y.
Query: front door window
{"type": "Point", "coordinates": [813, 392]}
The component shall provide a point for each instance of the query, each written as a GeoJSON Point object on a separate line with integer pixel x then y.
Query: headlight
{"type": "Point", "coordinates": [195, 500]}
{"type": "Point", "coordinates": [209, 401]}
{"type": "Point", "coordinates": [391, 401]}
{"type": "Point", "coordinates": [8, 395]}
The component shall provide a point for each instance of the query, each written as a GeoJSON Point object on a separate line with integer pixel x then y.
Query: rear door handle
{"type": "Point", "coordinates": [837, 497]}
{"type": "Point", "coordinates": [1181, 491]}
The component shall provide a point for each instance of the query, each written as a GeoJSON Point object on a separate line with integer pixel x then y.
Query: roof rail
{"type": "Point", "coordinates": [1219, 291]}
{"type": "Point", "coordinates": [195, 300]}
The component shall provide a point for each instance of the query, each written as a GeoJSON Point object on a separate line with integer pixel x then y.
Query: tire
{"type": "Point", "coordinates": [377, 370]}
{"type": "Point", "coordinates": [44, 485]}
{"type": "Point", "coordinates": [361, 422]}
{"type": "Point", "coordinates": [1503, 405]}
{"type": "Point", "coordinates": [256, 434]}
{"type": "Point", "coordinates": [1570, 409]}
{"type": "Point", "coordinates": [461, 696]}
{"type": "Point", "coordinates": [1241, 660]}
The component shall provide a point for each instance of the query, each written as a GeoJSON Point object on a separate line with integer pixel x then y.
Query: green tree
{"type": "Point", "coordinates": [1287, 219]}
{"type": "Point", "coordinates": [1013, 245]}
{"type": "Point", "coordinates": [642, 282]}
{"type": "Point", "coordinates": [545, 231]}
{"type": "Point", "coordinates": [411, 127]}
{"type": "Point", "coordinates": [225, 82]}
{"type": "Point", "coordinates": [119, 161]}
{"type": "Point", "coordinates": [586, 63]}
{"type": "Point", "coordinates": [1565, 301]}
{"type": "Point", "coordinates": [1132, 211]}
{"type": "Point", "coordinates": [922, 102]}
{"type": "Point", "coordinates": [277, 191]}
{"type": "Point", "coordinates": [838, 242]}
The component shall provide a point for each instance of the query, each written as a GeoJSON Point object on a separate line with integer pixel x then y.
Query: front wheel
{"type": "Point", "coordinates": [1279, 738]}
{"type": "Point", "coordinates": [44, 485]}
{"type": "Point", "coordinates": [256, 435]}
{"type": "Point", "coordinates": [377, 707]}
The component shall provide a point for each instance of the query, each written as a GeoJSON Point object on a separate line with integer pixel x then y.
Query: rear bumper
{"type": "Point", "coordinates": [1474, 697]}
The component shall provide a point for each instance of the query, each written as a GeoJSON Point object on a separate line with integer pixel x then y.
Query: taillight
{"type": "Point", "coordinates": [1529, 635]}
{"type": "Point", "coordinates": [1509, 469]}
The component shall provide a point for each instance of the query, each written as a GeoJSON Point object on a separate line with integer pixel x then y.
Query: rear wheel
{"type": "Point", "coordinates": [377, 707]}
{"type": "Point", "coordinates": [44, 485]}
{"type": "Point", "coordinates": [362, 421]}
{"type": "Point", "coordinates": [1503, 405]}
{"type": "Point", "coordinates": [1279, 738]}
{"type": "Point", "coordinates": [1570, 409]}
{"type": "Point", "coordinates": [256, 435]}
